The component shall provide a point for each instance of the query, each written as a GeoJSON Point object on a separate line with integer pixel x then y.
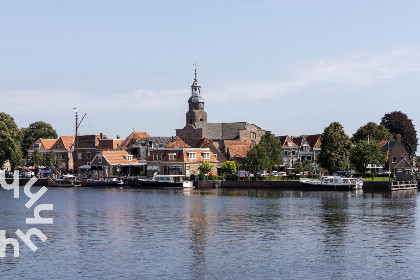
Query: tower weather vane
{"type": "Point", "coordinates": [195, 69]}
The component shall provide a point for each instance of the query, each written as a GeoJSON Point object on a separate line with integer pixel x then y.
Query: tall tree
{"type": "Point", "coordinates": [50, 160]}
{"type": "Point", "coordinates": [371, 131]}
{"type": "Point", "coordinates": [205, 168]}
{"type": "Point", "coordinates": [257, 159]}
{"type": "Point", "coordinates": [364, 153]}
{"type": "Point", "coordinates": [272, 146]}
{"type": "Point", "coordinates": [36, 158]}
{"type": "Point", "coordinates": [10, 137]}
{"type": "Point", "coordinates": [35, 131]}
{"type": "Point", "coordinates": [398, 123]}
{"type": "Point", "coordinates": [335, 148]}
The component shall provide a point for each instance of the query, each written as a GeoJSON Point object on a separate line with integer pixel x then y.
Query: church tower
{"type": "Point", "coordinates": [196, 111]}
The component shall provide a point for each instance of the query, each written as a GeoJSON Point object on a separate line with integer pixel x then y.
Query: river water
{"type": "Point", "coordinates": [216, 234]}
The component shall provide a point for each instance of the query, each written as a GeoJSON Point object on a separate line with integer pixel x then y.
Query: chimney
{"type": "Point", "coordinates": [101, 135]}
{"type": "Point", "coordinates": [118, 137]}
{"type": "Point", "coordinates": [398, 138]}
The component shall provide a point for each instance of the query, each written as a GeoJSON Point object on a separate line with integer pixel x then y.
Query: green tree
{"type": "Point", "coordinates": [257, 159]}
{"type": "Point", "coordinates": [36, 158]}
{"type": "Point", "coordinates": [272, 147]}
{"type": "Point", "coordinates": [365, 153]}
{"type": "Point", "coordinates": [205, 168]}
{"type": "Point", "coordinates": [298, 166]}
{"type": "Point", "coordinates": [307, 165]}
{"type": "Point", "coordinates": [34, 132]}
{"type": "Point", "coordinates": [398, 123]}
{"type": "Point", "coordinates": [10, 137]}
{"type": "Point", "coordinates": [371, 131]}
{"type": "Point", "coordinates": [50, 160]}
{"type": "Point", "coordinates": [335, 148]}
{"type": "Point", "coordinates": [229, 167]}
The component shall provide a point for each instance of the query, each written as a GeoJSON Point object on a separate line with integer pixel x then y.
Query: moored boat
{"type": "Point", "coordinates": [64, 181]}
{"type": "Point", "coordinates": [331, 183]}
{"type": "Point", "coordinates": [166, 182]}
{"type": "Point", "coordinates": [103, 182]}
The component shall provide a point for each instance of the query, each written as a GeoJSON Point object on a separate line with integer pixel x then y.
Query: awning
{"type": "Point", "coordinates": [152, 167]}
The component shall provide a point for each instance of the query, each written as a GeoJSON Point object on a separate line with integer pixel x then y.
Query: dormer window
{"type": "Point", "coordinates": [129, 157]}
{"type": "Point", "coordinates": [172, 157]}
{"type": "Point", "coordinates": [191, 155]}
{"type": "Point", "coordinates": [206, 155]}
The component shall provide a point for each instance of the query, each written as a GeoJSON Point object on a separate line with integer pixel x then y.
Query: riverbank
{"type": "Point", "coordinates": [286, 185]}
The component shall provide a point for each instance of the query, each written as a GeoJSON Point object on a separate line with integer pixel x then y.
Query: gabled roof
{"type": "Point", "coordinates": [137, 136]}
{"type": "Point", "coordinates": [314, 140]}
{"type": "Point", "coordinates": [403, 164]}
{"type": "Point", "coordinates": [67, 141]}
{"type": "Point", "coordinates": [284, 140]}
{"type": "Point", "coordinates": [115, 157]}
{"type": "Point", "coordinates": [181, 155]}
{"type": "Point", "coordinates": [177, 142]}
{"type": "Point", "coordinates": [389, 147]}
{"type": "Point", "coordinates": [46, 144]}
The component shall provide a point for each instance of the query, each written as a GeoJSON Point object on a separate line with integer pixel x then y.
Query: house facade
{"type": "Point", "coordinates": [289, 153]}
{"type": "Point", "coordinates": [109, 163]}
{"type": "Point", "coordinates": [395, 153]}
{"type": "Point", "coordinates": [178, 158]}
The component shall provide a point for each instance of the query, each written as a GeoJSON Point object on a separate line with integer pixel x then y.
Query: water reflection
{"type": "Point", "coordinates": [222, 234]}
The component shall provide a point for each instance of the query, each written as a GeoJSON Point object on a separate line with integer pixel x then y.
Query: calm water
{"type": "Point", "coordinates": [217, 234]}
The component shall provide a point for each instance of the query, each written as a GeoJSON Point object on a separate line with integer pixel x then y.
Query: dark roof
{"type": "Point", "coordinates": [385, 147]}
{"type": "Point", "coordinates": [158, 141]}
{"type": "Point", "coordinates": [314, 140]}
{"type": "Point", "coordinates": [403, 164]}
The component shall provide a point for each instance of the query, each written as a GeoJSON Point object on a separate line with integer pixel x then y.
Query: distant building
{"type": "Point", "coordinates": [178, 158]}
{"type": "Point", "coordinates": [115, 162]}
{"type": "Point", "coordinates": [141, 149]}
{"type": "Point", "coordinates": [197, 127]}
{"type": "Point", "coordinates": [395, 153]}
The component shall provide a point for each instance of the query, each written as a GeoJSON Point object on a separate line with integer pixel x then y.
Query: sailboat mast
{"type": "Point", "coordinates": [77, 148]}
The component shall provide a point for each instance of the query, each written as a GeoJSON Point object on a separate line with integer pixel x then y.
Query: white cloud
{"type": "Point", "coordinates": [354, 70]}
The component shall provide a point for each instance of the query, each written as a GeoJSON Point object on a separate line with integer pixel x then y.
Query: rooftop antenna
{"type": "Point", "coordinates": [195, 70]}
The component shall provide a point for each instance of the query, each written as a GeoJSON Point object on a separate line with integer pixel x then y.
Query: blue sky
{"type": "Point", "coordinates": [291, 67]}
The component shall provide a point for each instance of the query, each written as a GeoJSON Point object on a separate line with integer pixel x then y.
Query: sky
{"type": "Point", "coordinates": [290, 67]}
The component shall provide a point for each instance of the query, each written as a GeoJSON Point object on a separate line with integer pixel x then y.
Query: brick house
{"type": "Point", "coordinates": [178, 158]}
{"type": "Point", "coordinates": [396, 152]}
{"type": "Point", "coordinates": [62, 148]}
{"type": "Point", "coordinates": [115, 162]}
{"type": "Point", "coordinates": [142, 148]}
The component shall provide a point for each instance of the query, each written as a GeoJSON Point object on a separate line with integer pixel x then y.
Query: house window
{"type": "Point", "coordinates": [293, 153]}
{"type": "Point", "coordinates": [80, 156]}
{"type": "Point", "coordinates": [58, 146]}
{"type": "Point", "coordinates": [172, 157]}
{"type": "Point", "coordinates": [157, 156]}
{"type": "Point", "coordinates": [191, 155]}
{"type": "Point", "coordinates": [129, 157]}
{"type": "Point", "coordinates": [88, 154]}
{"type": "Point", "coordinates": [206, 155]}
{"type": "Point", "coordinates": [402, 158]}
{"type": "Point", "coordinates": [394, 159]}
{"type": "Point", "coordinates": [253, 135]}
{"type": "Point", "coordinates": [106, 144]}
{"type": "Point", "coordinates": [285, 153]}
{"type": "Point", "coordinates": [100, 160]}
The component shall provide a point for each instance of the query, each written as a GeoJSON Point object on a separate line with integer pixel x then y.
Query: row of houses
{"type": "Point", "coordinates": [199, 141]}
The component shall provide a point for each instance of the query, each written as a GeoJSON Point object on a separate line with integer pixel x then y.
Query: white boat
{"type": "Point", "coordinates": [166, 182]}
{"type": "Point", "coordinates": [103, 182]}
{"type": "Point", "coordinates": [403, 185]}
{"type": "Point", "coordinates": [331, 183]}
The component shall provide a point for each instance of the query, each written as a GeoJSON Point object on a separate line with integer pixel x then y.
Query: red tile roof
{"type": "Point", "coordinates": [204, 143]}
{"type": "Point", "coordinates": [46, 144]}
{"type": "Point", "coordinates": [177, 142]}
{"type": "Point", "coordinates": [115, 157]}
{"type": "Point", "coordinates": [237, 148]}
{"type": "Point", "coordinates": [67, 141]}
{"type": "Point", "coordinates": [137, 136]}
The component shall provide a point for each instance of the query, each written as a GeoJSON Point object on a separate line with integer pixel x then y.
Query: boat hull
{"type": "Point", "coordinates": [63, 185]}
{"type": "Point", "coordinates": [165, 185]}
{"type": "Point", "coordinates": [325, 187]}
